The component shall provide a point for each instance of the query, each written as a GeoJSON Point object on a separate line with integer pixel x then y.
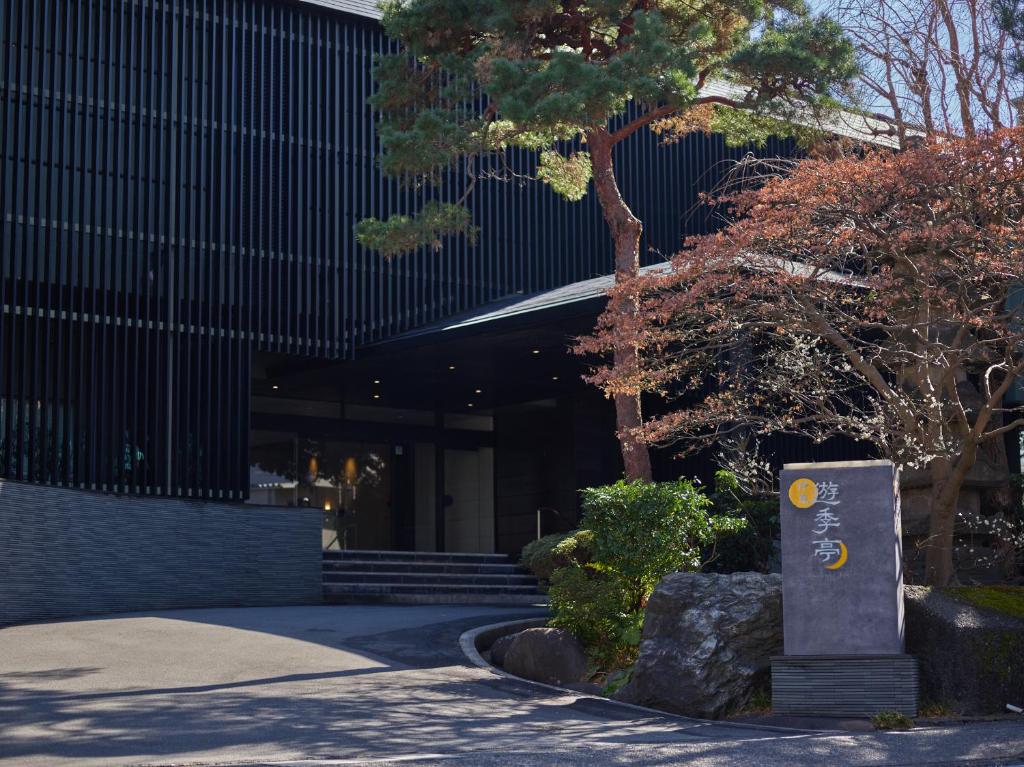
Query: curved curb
{"type": "Point", "coordinates": [468, 640]}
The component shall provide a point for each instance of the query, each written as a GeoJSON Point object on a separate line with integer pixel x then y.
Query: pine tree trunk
{"type": "Point", "coordinates": [625, 229]}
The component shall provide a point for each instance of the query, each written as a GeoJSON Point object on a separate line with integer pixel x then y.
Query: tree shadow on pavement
{"type": "Point", "coordinates": [398, 692]}
{"type": "Point", "coordinates": [400, 712]}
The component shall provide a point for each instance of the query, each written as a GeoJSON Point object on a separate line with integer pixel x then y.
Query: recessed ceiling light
{"type": "Point", "coordinates": [376, 396]}
{"type": "Point", "coordinates": [536, 351]}
{"type": "Point", "coordinates": [554, 378]}
{"type": "Point", "coordinates": [274, 387]}
{"type": "Point", "coordinates": [451, 367]}
{"type": "Point", "coordinates": [469, 404]}
{"type": "Point", "coordinates": [478, 391]}
{"type": "Point", "coordinates": [376, 380]}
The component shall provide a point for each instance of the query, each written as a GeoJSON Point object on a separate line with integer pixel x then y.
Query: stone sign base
{"type": "Point", "coordinates": [844, 685]}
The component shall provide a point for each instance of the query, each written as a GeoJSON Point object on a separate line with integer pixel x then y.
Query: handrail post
{"type": "Point", "coordinates": [539, 510]}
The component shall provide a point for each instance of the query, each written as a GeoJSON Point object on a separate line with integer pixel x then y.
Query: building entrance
{"type": "Point", "coordinates": [380, 495]}
{"type": "Point", "coordinates": [353, 483]}
{"type": "Point", "coordinates": [469, 500]}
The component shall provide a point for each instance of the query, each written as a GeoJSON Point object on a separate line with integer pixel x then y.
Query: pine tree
{"type": "Point", "coordinates": [570, 79]}
{"type": "Point", "coordinates": [1010, 17]}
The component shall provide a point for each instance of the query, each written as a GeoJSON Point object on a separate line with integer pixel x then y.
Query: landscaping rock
{"type": "Point", "coordinates": [707, 642]}
{"type": "Point", "coordinates": [552, 656]}
{"type": "Point", "coordinates": [500, 648]}
{"type": "Point", "coordinates": [971, 659]}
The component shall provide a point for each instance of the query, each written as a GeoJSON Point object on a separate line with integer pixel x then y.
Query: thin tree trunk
{"type": "Point", "coordinates": [961, 73]}
{"type": "Point", "coordinates": [993, 454]}
{"type": "Point", "coordinates": [938, 553]}
{"type": "Point", "coordinates": [625, 229]}
{"type": "Point", "coordinates": [947, 481]}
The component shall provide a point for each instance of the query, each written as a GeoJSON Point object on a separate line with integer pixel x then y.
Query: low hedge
{"type": "Point", "coordinates": [971, 654]}
{"type": "Point", "coordinates": [1006, 600]}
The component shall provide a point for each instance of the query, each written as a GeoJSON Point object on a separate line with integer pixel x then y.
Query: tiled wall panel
{"type": "Point", "coordinates": [68, 552]}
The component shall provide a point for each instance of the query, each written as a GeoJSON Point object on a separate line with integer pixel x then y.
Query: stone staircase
{"type": "Point", "coordinates": [413, 577]}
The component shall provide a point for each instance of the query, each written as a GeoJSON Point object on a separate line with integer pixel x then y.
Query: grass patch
{"type": "Point", "coordinates": [891, 720]}
{"type": "Point", "coordinates": [760, 700]}
{"type": "Point", "coordinates": [933, 710]}
{"type": "Point", "coordinates": [759, 703]}
{"type": "Point", "coordinates": [616, 680]}
{"type": "Point", "coordinates": [1008, 600]}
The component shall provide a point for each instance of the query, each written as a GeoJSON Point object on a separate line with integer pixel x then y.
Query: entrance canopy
{"type": "Point", "coordinates": [515, 350]}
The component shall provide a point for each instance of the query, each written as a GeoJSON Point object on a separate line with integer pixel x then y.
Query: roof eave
{"type": "Point", "coordinates": [366, 8]}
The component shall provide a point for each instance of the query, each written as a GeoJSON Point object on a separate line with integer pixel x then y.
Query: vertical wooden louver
{"type": "Point", "coordinates": [179, 181]}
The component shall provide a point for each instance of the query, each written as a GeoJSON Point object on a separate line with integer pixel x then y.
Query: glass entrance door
{"type": "Point", "coordinates": [351, 482]}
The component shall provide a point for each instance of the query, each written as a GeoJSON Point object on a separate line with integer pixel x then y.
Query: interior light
{"type": "Point", "coordinates": [554, 378]}
{"type": "Point", "coordinates": [274, 387]}
{"type": "Point", "coordinates": [376, 380]}
{"type": "Point", "coordinates": [536, 351]}
{"type": "Point", "coordinates": [451, 367]}
{"type": "Point", "coordinates": [469, 404]}
{"type": "Point", "coordinates": [478, 391]}
{"type": "Point", "coordinates": [327, 505]}
{"type": "Point", "coordinates": [376, 396]}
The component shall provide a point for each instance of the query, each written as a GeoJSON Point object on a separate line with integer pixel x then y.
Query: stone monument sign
{"type": "Point", "coordinates": [842, 592]}
{"type": "Point", "coordinates": [842, 563]}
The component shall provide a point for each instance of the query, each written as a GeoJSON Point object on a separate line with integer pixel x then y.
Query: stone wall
{"type": "Point", "coordinates": [67, 552]}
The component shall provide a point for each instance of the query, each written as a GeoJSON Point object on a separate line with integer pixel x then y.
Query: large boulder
{"type": "Point", "coordinates": [971, 659]}
{"type": "Point", "coordinates": [500, 649]}
{"type": "Point", "coordinates": [707, 642]}
{"type": "Point", "coordinates": [552, 656]}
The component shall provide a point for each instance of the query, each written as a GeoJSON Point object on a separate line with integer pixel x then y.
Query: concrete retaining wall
{"type": "Point", "coordinates": [66, 553]}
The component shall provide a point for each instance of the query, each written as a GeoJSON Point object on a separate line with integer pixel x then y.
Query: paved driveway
{"type": "Point", "coordinates": [361, 685]}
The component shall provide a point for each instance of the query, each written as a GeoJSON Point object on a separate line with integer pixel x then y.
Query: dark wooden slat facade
{"type": "Point", "coordinates": [179, 180]}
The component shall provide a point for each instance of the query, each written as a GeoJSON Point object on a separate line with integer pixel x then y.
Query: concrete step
{"type": "Point", "coordinates": [414, 577]}
{"type": "Point", "coordinates": [443, 557]}
{"type": "Point", "coordinates": [468, 598]}
{"type": "Point", "coordinates": [401, 593]}
{"type": "Point", "coordinates": [422, 588]}
{"type": "Point", "coordinates": [392, 566]}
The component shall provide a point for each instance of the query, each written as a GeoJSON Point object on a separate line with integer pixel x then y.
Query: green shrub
{"type": "Point", "coordinates": [635, 533]}
{"type": "Point", "coordinates": [891, 720]}
{"type": "Point", "coordinates": [577, 548]}
{"type": "Point", "coordinates": [595, 608]}
{"type": "Point", "coordinates": [645, 530]}
{"type": "Point", "coordinates": [545, 555]}
{"type": "Point", "coordinates": [751, 549]}
{"type": "Point", "coordinates": [539, 556]}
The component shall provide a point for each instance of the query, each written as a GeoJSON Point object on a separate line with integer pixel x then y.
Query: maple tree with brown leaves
{"type": "Point", "coordinates": [869, 296]}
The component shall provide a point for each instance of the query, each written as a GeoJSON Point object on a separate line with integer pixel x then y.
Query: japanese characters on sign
{"type": "Point", "coordinates": [822, 499]}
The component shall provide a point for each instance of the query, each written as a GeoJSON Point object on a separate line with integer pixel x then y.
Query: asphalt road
{"type": "Point", "coordinates": [346, 685]}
